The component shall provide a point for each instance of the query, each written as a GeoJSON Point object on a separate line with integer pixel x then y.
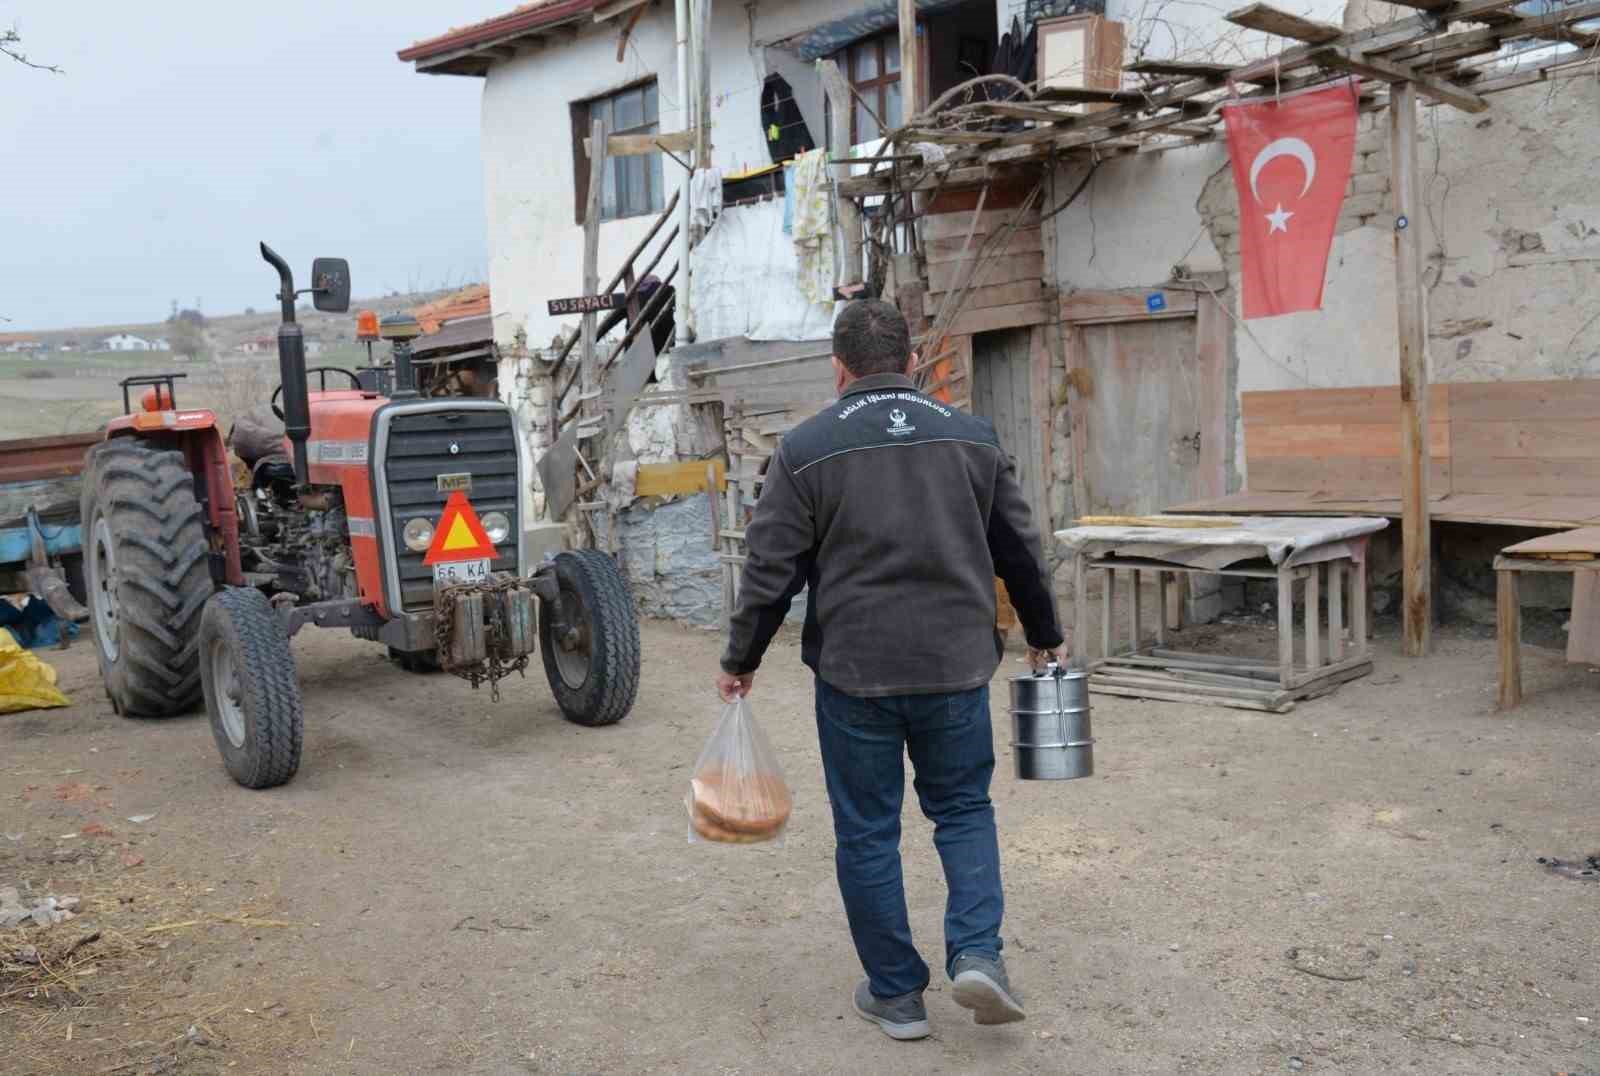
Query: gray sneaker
{"type": "Point", "coordinates": [904, 1017]}
{"type": "Point", "coordinates": [981, 985]}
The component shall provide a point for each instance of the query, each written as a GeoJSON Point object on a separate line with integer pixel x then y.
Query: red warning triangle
{"type": "Point", "coordinates": [459, 535]}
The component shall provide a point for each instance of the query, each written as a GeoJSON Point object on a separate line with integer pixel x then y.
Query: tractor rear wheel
{"type": "Point", "coordinates": [147, 575]}
{"type": "Point", "coordinates": [595, 673]}
{"type": "Point", "coordinates": [252, 691]}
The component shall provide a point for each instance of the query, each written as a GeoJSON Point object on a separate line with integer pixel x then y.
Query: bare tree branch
{"type": "Point", "coordinates": [9, 40]}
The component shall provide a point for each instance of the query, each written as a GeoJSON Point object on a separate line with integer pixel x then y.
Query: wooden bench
{"type": "Point", "coordinates": [1511, 453]}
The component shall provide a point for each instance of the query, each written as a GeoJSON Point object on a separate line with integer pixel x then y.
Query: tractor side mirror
{"type": "Point", "coordinates": [330, 285]}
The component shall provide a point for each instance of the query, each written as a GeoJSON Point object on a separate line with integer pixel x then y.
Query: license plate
{"type": "Point", "coordinates": [449, 572]}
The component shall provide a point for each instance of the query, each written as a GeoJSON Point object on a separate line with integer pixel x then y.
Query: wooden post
{"type": "Point", "coordinates": [1358, 603]}
{"type": "Point", "coordinates": [1108, 613]}
{"type": "Point", "coordinates": [1335, 611]}
{"type": "Point", "coordinates": [1080, 609]}
{"type": "Point", "coordinates": [1314, 618]}
{"type": "Point", "coordinates": [910, 80]}
{"type": "Point", "coordinates": [1285, 625]}
{"type": "Point", "coordinates": [588, 370]}
{"type": "Point", "coordinates": [1133, 611]}
{"type": "Point", "coordinates": [1414, 523]}
{"type": "Point", "coordinates": [839, 101]}
{"type": "Point", "coordinates": [1508, 630]}
{"type": "Point", "coordinates": [702, 45]}
{"type": "Point", "coordinates": [1161, 607]}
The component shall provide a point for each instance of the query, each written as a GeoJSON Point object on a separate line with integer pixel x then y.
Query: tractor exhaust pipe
{"type": "Point", "coordinates": [292, 368]}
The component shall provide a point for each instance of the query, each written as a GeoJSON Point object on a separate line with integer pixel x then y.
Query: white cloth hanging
{"type": "Point", "coordinates": [705, 196]}
{"type": "Point", "coordinates": [812, 226]}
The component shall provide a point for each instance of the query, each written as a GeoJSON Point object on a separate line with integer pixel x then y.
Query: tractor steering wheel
{"type": "Point", "coordinates": [355, 383]}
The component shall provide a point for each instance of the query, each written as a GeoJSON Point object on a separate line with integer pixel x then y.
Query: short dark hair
{"type": "Point", "coordinates": [870, 337]}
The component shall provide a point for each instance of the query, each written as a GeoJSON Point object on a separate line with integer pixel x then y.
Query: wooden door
{"type": "Point", "coordinates": [1001, 376]}
{"type": "Point", "coordinates": [1145, 412]}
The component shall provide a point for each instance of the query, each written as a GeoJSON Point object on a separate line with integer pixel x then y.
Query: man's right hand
{"type": "Point", "coordinates": [1038, 659]}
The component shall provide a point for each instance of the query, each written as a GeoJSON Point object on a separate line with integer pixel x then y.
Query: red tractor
{"type": "Point", "coordinates": [196, 583]}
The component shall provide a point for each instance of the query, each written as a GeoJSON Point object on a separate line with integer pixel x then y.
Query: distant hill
{"type": "Point", "coordinates": [229, 333]}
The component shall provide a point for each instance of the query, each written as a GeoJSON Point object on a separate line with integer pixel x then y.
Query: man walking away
{"type": "Point", "coordinates": [898, 512]}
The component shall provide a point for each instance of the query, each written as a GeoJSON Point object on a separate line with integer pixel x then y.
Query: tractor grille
{"type": "Point", "coordinates": [419, 450]}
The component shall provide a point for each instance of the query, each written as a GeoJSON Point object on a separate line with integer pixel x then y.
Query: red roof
{"type": "Point", "coordinates": [515, 23]}
{"type": "Point", "coordinates": [470, 302]}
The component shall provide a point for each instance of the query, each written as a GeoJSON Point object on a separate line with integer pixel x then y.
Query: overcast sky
{"type": "Point", "coordinates": [183, 133]}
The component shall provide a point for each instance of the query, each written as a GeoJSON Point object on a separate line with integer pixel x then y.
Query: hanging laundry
{"type": "Point", "coordinates": [705, 196]}
{"type": "Point", "coordinates": [785, 128]}
{"type": "Point", "coordinates": [812, 226]}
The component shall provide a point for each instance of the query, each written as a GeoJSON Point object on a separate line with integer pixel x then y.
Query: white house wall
{"type": "Point", "coordinates": [535, 245]}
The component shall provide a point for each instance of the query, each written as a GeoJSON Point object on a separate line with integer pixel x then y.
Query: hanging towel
{"type": "Point", "coordinates": [812, 226]}
{"type": "Point", "coordinates": [705, 196]}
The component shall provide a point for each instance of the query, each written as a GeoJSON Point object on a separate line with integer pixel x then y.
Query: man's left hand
{"type": "Point", "coordinates": [731, 687]}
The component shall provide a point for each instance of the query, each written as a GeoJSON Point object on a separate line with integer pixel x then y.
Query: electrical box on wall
{"type": "Point", "coordinates": [1080, 52]}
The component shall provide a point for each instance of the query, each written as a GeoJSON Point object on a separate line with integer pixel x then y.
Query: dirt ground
{"type": "Point", "coordinates": [456, 886]}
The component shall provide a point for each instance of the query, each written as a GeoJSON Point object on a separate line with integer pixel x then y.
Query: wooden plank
{"type": "Point", "coordinates": [1022, 241]}
{"type": "Point", "coordinates": [990, 296]}
{"type": "Point", "coordinates": [1088, 95]}
{"type": "Point", "coordinates": [1213, 348]}
{"type": "Point", "coordinates": [1378, 403]}
{"type": "Point", "coordinates": [1108, 613]}
{"type": "Point", "coordinates": [1336, 610]}
{"type": "Point", "coordinates": [1582, 540]}
{"type": "Point", "coordinates": [1026, 265]}
{"type": "Point", "coordinates": [913, 86]}
{"type": "Point", "coordinates": [1015, 316]}
{"type": "Point", "coordinates": [1159, 682]}
{"type": "Point", "coordinates": [1160, 695]}
{"type": "Point", "coordinates": [1271, 20]}
{"type": "Point", "coordinates": [1337, 478]}
{"type": "Point", "coordinates": [956, 225]}
{"type": "Point", "coordinates": [1313, 618]}
{"type": "Point", "coordinates": [1382, 70]}
{"type": "Point", "coordinates": [672, 479]}
{"type": "Point", "coordinates": [1072, 357]}
{"type": "Point", "coordinates": [1092, 306]}
{"type": "Point", "coordinates": [1508, 639]}
{"type": "Point", "coordinates": [1200, 522]}
{"type": "Point", "coordinates": [625, 145]}
{"type": "Point", "coordinates": [1285, 627]}
{"type": "Point", "coordinates": [1583, 633]}
{"type": "Point", "coordinates": [1530, 476]}
{"type": "Point", "coordinates": [837, 92]}
{"type": "Point", "coordinates": [1507, 401]}
{"type": "Point", "coordinates": [1181, 68]}
{"type": "Point", "coordinates": [1341, 439]}
{"type": "Point", "coordinates": [1041, 420]}
{"type": "Point", "coordinates": [1527, 438]}
{"type": "Point", "coordinates": [1080, 612]}
{"type": "Point", "coordinates": [1199, 663]}
{"type": "Point", "coordinates": [1358, 603]}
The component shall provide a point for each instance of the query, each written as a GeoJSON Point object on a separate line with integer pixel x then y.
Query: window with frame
{"type": "Point", "coordinates": [873, 67]}
{"type": "Point", "coordinates": [632, 185]}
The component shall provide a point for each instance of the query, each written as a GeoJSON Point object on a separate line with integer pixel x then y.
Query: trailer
{"type": "Point", "coordinates": [41, 540]}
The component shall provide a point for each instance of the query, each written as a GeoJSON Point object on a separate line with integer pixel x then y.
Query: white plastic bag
{"type": "Point", "coordinates": [737, 794]}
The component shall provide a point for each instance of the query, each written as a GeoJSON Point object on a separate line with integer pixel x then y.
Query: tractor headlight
{"type": "Point", "coordinates": [496, 526]}
{"type": "Point", "coordinates": [418, 534]}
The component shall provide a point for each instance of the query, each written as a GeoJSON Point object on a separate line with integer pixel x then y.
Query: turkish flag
{"type": "Point", "coordinates": [1291, 161]}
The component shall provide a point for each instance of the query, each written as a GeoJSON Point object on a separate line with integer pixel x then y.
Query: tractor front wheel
{"type": "Point", "coordinates": [252, 691]}
{"type": "Point", "coordinates": [594, 670]}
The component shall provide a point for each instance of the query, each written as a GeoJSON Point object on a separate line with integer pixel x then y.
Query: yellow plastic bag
{"type": "Point", "coordinates": [26, 683]}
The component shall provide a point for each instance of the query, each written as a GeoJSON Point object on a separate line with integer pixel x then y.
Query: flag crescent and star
{"type": "Point", "coordinates": [1291, 159]}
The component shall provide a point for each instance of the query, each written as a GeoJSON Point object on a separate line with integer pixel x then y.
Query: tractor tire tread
{"type": "Point", "coordinates": [148, 496]}
{"type": "Point", "coordinates": [605, 593]}
{"type": "Point", "coordinates": [270, 688]}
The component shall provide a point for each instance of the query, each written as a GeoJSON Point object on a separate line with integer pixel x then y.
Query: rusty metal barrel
{"type": "Point", "coordinates": [1050, 735]}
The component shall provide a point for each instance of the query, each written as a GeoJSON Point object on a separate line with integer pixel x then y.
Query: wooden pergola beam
{"type": "Point", "coordinates": [1382, 70]}
{"type": "Point", "coordinates": [1273, 20]}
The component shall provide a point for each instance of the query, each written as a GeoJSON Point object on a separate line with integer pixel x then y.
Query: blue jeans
{"type": "Point", "coordinates": [951, 745]}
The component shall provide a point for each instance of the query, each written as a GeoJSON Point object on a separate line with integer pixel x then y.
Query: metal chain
{"type": "Point", "coordinates": [492, 668]}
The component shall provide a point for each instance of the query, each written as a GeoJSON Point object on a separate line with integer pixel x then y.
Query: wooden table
{"type": "Point", "coordinates": [1508, 614]}
{"type": "Point", "coordinates": [1130, 665]}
